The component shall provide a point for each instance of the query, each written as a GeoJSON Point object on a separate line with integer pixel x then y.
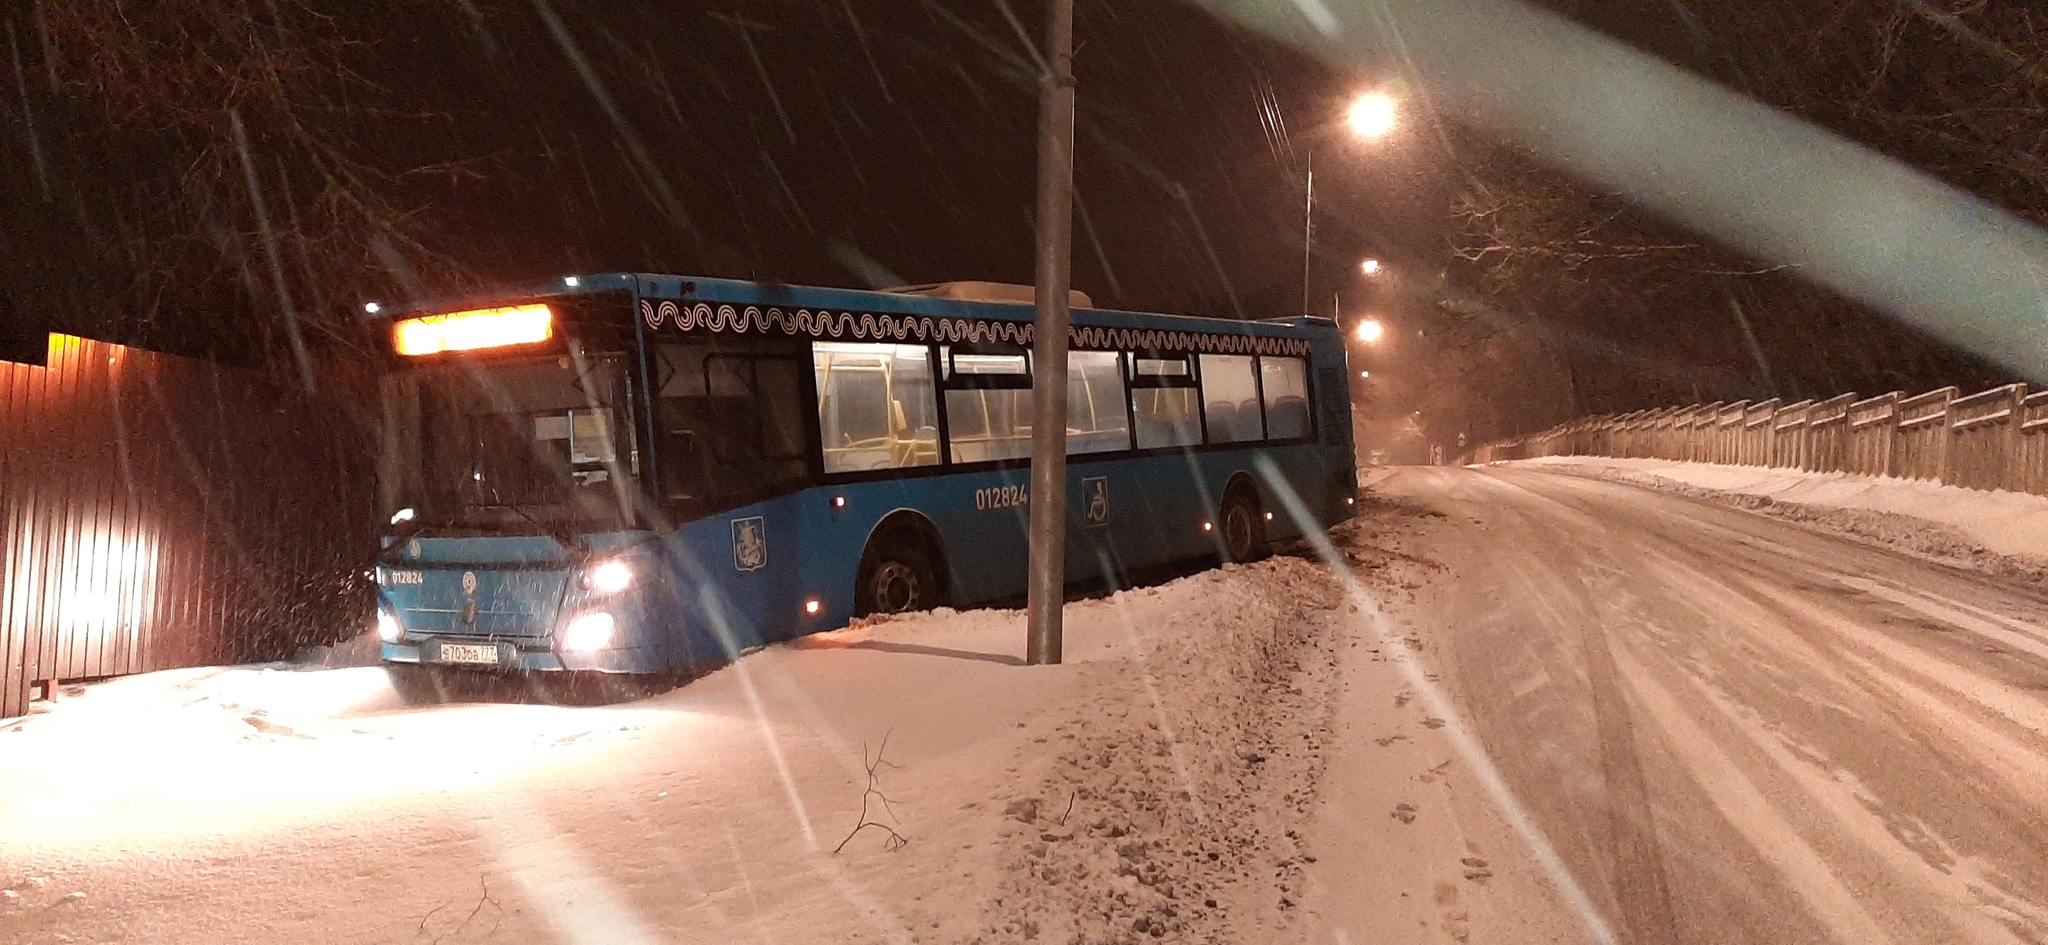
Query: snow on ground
{"type": "Point", "coordinates": [1150, 788]}
{"type": "Point", "coordinates": [2005, 523]}
{"type": "Point", "coordinates": [1525, 707]}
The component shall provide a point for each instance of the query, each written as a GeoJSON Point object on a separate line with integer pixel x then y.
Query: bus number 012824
{"type": "Point", "coordinates": [1001, 497]}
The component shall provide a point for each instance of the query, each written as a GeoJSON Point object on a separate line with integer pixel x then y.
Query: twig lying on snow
{"type": "Point", "coordinates": [895, 841]}
{"type": "Point", "coordinates": [483, 897]}
{"type": "Point", "coordinates": [1071, 795]}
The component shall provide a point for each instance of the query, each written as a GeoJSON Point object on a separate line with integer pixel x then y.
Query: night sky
{"type": "Point", "coordinates": [807, 143]}
{"type": "Point", "coordinates": [847, 143]}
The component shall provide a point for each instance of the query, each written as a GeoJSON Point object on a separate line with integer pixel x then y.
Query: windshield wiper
{"type": "Point", "coordinates": [562, 536]}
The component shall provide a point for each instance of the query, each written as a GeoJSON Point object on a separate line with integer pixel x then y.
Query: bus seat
{"type": "Point", "coordinates": [1248, 427]}
{"type": "Point", "coordinates": [1288, 418]}
{"type": "Point", "coordinates": [1222, 421]}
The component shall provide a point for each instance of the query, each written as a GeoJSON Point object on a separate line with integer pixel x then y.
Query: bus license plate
{"type": "Point", "coordinates": [468, 653]}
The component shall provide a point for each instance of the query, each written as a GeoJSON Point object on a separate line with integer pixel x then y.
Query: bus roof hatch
{"type": "Point", "coordinates": [977, 291]}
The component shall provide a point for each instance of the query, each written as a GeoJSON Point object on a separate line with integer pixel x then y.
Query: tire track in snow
{"type": "Point", "coordinates": [1758, 631]}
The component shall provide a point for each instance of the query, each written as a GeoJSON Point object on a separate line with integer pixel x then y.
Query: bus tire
{"type": "Point", "coordinates": [1243, 524]}
{"type": "Point", "coordinates": [420, 685]}
{"type": "Point", "coordinates": [896, 576]}
{"type": "Point", "coordinates": [591, 688]}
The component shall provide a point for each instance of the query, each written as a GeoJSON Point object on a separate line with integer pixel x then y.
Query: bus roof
{"type": "Point", "coordinates": [914, 300]}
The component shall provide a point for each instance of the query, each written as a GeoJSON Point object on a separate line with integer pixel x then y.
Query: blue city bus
{"type": "Point", "coordinates": [639, 474]}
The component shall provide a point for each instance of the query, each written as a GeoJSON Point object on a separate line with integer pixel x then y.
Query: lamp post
{"type": "Point", "coordinates": [1046, 582]}
{"type": "Point", "coordinates": [1372, 116]}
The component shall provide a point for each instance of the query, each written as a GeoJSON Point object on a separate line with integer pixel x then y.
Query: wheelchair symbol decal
{"type": "Point", "coordinates": [1095, 501]}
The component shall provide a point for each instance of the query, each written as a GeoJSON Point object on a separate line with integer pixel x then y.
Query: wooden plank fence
{"type": "Point", "coordinates": [1994, 439]}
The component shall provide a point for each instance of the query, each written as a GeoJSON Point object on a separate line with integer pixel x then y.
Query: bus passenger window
{"type": "Point", "coordinates": [988, 402]}
{"type": "Point", "coordinates": [1096, 419]}
{"type": "Point", "coordinates": [1164, 402]}
{"type": "Point", "coordinates": [876, 408]}
{"type": "Point", "coordinates": [731, 422]}
{"type": "Point", "coordinates": [1230, 399]}
{"type": "Point", "coordinates": [989, 424]}
{"type": "Point", "coordinates": [1285, 382]}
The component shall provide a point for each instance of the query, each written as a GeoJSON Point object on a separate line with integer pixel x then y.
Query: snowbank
{"type": "Point", "coordinates": [1150, 787]}
{"type": "Point", "coordinates": [2006, 523]}
{"type": "Point", "coordinates": [1172, 807]}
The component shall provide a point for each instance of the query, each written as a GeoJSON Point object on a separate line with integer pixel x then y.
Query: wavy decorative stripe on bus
{"type": "Point", "coordinates": [926, 328]}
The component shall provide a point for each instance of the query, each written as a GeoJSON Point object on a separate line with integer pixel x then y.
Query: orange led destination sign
{"type": "Point", "coordinates": [473, 330]}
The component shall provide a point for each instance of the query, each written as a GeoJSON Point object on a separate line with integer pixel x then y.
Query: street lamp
{"type": "Point", "coordinates": [1372, 116]}
{"type": "Point", "coordinates": [1370, 267]}
{"type": "Point", "coordinates": [1371, 331]}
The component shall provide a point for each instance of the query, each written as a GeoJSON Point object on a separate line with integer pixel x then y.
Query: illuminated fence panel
{"type": "Point", "coordinates": [2032, 466]}
{"type": "Point", "coordinates": [1994, 439]}
{"type": "Point", "coordinates": [162, 512]}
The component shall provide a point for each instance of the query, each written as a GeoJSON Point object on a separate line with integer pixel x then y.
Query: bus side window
{"type": "Point", "coordinates": [988, 401]}
{"type": "Point", "coordinates": [1230, 399]}
{"type": "Point", "coordinates": [1164, 401]}
{"type": "Point", "coordinates": [1285, 383]}
{"type": "Point", "coordinates": [731, 424]}
{"type": "Point", "coordinates": [876, 406]}
{"type": "Point", "coordinates": [1096, 421]}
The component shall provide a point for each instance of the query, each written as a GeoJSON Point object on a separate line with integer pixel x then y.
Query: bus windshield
{"type": "Point", "coordinates": [546, 439]}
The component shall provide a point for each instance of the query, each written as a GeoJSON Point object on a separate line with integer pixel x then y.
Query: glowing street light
{"type": "Point", "coordinates": [1371, 331]}
{"type": "Point", "coordinates": [1369, 267]}
{"type": "Point", "coordinates": [1373, 115]}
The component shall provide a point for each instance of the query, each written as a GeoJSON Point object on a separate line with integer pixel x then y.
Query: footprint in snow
{"type": "Point", "coordinates": [1404, 812]}
{"type": "Point", "coordinates": [272, 728]}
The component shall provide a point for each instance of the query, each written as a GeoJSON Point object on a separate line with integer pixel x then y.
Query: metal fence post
{"type": "Point", "coordinates": [1946, 442]}
{"type": "Point", "coordinates": [2012, 472]}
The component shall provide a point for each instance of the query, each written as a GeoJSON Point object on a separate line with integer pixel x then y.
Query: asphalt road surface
{"type": "Point", "coordinates": [1727, 727]}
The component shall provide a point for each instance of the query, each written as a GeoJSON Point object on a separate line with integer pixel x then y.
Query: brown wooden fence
{"type": "Point", "coordinates": [1996, 439]}
{"type": "Point", "coordinates": [158, 511]}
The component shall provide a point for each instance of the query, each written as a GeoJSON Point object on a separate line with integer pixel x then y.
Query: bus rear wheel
{"type": "Point", "coordinates": [1244, 527]}
{"type": "Point", "coordinates": [896, 578]}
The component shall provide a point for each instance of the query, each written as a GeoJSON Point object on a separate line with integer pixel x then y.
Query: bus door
{"type": "Point", "coordinates": [729, 425]}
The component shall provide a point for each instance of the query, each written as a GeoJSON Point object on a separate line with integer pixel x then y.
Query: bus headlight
{"type": "Point", "coordinates": [591, 631]}
{"type": "Point", "coordinates": [610, 577]}
{"type": "Point", "coordinates": [388, 628]}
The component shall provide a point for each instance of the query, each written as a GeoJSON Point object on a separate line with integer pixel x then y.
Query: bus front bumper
{"type": "Point", "coordinates": [517, 659]}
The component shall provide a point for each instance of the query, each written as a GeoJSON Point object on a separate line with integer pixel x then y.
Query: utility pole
{"type": "Point", "coordinates": [1308, 228]}
{"type": "Point", "coordinates": [1046, 594]}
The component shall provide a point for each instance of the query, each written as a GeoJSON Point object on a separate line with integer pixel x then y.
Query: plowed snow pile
{"type": "Point", "coordinates": [904, 781]}
{"type": "Point", "coordinates": [1171, 804]}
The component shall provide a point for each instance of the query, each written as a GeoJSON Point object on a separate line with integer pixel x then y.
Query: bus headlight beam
{"type": "Point", "coordinates": [591, 631]}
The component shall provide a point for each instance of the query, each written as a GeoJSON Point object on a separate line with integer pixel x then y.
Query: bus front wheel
{"type": "Point", "coordinates": [420, 685]}
{"type": "Point", "coordinates": [896, 578]}
{"type": "Point", "coordinates": [1244, 527]}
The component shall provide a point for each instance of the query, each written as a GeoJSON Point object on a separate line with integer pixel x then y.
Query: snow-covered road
{"type": "Point", "coordinates": [1525, 706]}
{"type": "Point", "coordinates": [1730, 729]}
